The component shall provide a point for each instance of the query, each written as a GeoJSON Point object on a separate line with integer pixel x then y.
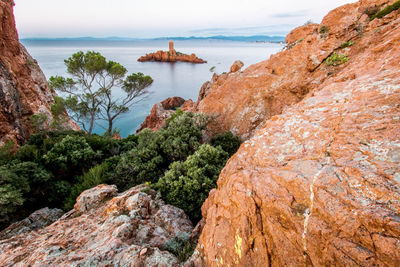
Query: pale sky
{"type": "Point", "coordinates": [161, 18]}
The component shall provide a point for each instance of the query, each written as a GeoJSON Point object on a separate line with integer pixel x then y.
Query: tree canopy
{"type": "Point", "coordinates": [90, 89]}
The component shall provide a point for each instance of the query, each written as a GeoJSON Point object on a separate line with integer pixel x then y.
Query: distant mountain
{"type": "Point", "coordinates": [254, 38]}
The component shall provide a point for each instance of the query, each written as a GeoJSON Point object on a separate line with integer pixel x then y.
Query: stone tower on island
{"type": "Point", "coordinates": [172, 52]}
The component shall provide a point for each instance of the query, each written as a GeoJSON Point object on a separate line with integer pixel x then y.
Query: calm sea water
{"type": "Point", "coordinates": [176, 79]}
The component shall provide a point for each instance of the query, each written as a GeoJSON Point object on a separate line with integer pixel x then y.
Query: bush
{"type": "Point", "coordinates": [227, 141]}
{"type": "Point", "coordinates": [182, 135]}
{"type": "Point", "coordinates": [388, 9]}
{"type": "Point", "coordinates": [346, 44]}
{"type": "Point", "coordinates": [104, 144]}
{"type": "Point", "coordinates": [38, 121]}
{"type": "Point", "coordinates": [6, 151]}
{"type": "Point", "coordinates": [181, 246]}
{"type": "Point", "coordinates": [336, 59]}
{"type": "Point", "coordinates": [92, 178]}
{"type": "Point", "coordinates": [10, 199]}
{"type": "Point", "coordinates": [186, 185]}
{"type": "Point", "coordinates": [72, 154]}
{"type": "Point", "coordinates": [28, 153]}
{"type": "Point", "coordinates": [154, 152]}
{"type": "Point", "coordinates": [323, 29]}
{"type": "Point", "coordinates": [142, 164]}
{"type": "Point", "coordinates": [20, 182]}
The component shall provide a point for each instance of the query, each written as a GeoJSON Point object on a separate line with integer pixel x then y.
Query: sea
{"type": "Point", "coordinates": [170, 79]}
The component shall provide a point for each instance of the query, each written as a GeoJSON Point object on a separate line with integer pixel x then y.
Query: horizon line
{"type": "Point", "coordinates": [121, 38]}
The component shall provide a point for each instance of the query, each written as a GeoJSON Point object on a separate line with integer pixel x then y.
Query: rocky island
{"type": "Point", "coordinates": [171, 56]}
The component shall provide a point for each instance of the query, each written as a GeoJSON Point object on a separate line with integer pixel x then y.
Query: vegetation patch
{"type": "Point", "coordinates": [346, 44]}
{"type": "Point", "coordinates": [336, 59]}
{"type": "Point", "coordinates": [181, 246]}
{"type": "Point", "coordinates": [323, 29]}
{"type": "Point", "coordinates": [388, 9]}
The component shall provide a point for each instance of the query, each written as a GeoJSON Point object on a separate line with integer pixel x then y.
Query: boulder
{"type": "Point", "coordinates": [104, 229]}
{"type": "Point", "coordinates": [162, 111]}
{"type": "Point", "coordinates": [172, 102]}
{"type": "Point", "coordinates": [236, 66]}
{"type": "Point", "coordinates": [36, 221]}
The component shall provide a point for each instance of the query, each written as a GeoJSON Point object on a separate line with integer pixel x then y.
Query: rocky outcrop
{"type": "Point", "coordinates": [171, 56]}
{"type": "Point", "coordinates": [236, 66]}
{"type": "Point", "coordinates": [243, 101]}
{"type": "Point", "coordinates": [37, 220]}
{"type": "Point", "coordinates": [162, 111]}
{"type": "Point", "coordinates": [23, 87]}
{"type": "Point", "coordinates": [318, 182]}
{"type": "Point", "coordinates": [165, 56]}
{"type": "Point", "coordinates": [104, 229]}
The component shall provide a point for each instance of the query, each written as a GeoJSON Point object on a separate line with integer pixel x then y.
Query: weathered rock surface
{"type": "Point", "coordinates": [23, 87]}
{"type": "Point", "coordinates": [236, 66]}
{"type": "Point", "coordinates": [37, 220]}
{"type": "Point", "coordinates": [162, 111]}
{"type": "Point", "coordinates": [243, 101]}
{"type": "Point", "coordinates": [104, 229]}
{"type": "Point", "coordinates": [319, 183]}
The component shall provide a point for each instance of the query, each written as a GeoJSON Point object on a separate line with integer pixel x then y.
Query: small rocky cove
{"type": "Point", "coordinates": [315, 182]}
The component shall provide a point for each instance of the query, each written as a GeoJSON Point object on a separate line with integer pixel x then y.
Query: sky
{"type": "Point", "coordinates": [163, 18]}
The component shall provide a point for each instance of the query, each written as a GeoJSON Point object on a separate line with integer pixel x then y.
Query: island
{"type": "Point", "coordinates": [171, 56]}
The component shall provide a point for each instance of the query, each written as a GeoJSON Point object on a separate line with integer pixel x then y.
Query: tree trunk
{"type": "Point", "coordinates": [91, 125]}
{"type": "Point", "coordinates": [110, 127]}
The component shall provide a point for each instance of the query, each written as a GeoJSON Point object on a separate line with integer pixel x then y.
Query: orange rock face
{"type": "Point", "coordinates": [162, 111]}
{"type": "Point", "coordinates": [23, 87]}
{"type": "Point", "coordinates": [236, 66]}
{"type": "Point", "coordinates": [243, 101]}
{"type": "Point", "coordinates": [317, 182]}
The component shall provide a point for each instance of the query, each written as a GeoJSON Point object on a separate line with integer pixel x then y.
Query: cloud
{"type": "Point", "coordinates": [300, 13]}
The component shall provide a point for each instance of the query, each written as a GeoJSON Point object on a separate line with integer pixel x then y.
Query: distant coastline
{"type": "Point", "coordinates": [253, 38]}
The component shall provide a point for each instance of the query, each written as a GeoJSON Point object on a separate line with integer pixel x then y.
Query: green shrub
{"type": "Point", "coordinates": [92, 178]}
{"type": "Point", "coordinates": [38, 121]}
{"type": "Point", "coordinates": [142, 164]}
{"type": "Point", "coordinates": [186, 185]}
{"type": "Point", "coordinates": [58, 192]}
{"type": "Point", "coordinates": [17, 182]}
{"type": "Point", "coordinates": [154, 152]}
{"type": "Point", "coordinates": [227, 141]}
{"type": "Point", "coordinates": [128, 143]}
{"type": "Point", "coordinates": [28, 153]}
{"type": "Point", "coordinates": [72, 154]}
{"type": "Point", "coordinates": [388, 9]}
{"type": "Point", "coordinates": [181, 246]}
{"type": "Point", "coordinates": [346, 44]}
{"type": "Point", "coordinates": [336, 59]}
{"type": "Point", "coordinates": [6, 151]}
{"type": "Point", "coordinates": [182, 135]}
{"type": "Point", "coordinates": [104, 144]}
{"type": "Point", "coordinates": [323, 29]}
{"type": "Point", "coordinates": [10, 199]}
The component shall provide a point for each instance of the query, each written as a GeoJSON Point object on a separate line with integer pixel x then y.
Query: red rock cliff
{"type": "Point", "coordinates": [23, 87]}
{"type": "Point", "coordinates": [244, 100]}
{"type": "Point", "coordinates": [317, 183]}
